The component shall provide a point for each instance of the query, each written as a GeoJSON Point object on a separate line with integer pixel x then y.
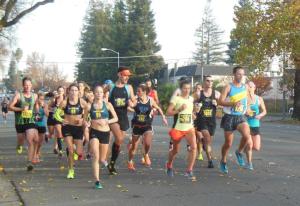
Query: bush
{"type": "Point", "coordinates": [165, 92]}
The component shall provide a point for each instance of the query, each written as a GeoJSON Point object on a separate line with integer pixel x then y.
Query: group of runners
{"type": "Point", "coordinates": [78, 115]}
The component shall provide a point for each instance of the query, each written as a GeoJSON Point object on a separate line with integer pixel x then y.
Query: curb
{"type": "Point", "coordinates": [9, 194]}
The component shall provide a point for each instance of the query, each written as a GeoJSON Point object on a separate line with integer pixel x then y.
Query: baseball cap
{"type": "Point", "coordinates": [108, 81]}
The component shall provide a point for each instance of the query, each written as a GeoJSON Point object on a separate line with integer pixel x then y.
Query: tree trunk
{"type": "Point", "coordinates": [296, 112]}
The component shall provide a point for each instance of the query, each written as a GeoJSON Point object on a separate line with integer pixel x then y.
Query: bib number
{"type": "Point", "coordinates": [207, 112]}
{"type": "Point", "coordinates": [185, 118]}
{"type": "Point", "coordinates": [98, 114]}
{"type": "Point", "coordinates": [27, 114]}
{"type": "Point", "coordinates": [239, 108]}
{"type": "Point", "coordinates": [141, 118]}
{"type": "Point", "coordinates": [120, 102]}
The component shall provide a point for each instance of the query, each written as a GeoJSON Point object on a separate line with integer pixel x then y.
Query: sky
{"type": "Point", "coordinates": [54, 29]}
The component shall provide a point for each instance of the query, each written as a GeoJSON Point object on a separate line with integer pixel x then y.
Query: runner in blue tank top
{"type": "Point", "coordinates": [98, 115]}
{"type": "Point", "coordinates": [234, 99]}
{"type": "Point", "coordinates": [255, 113]}
{"type": "Point", "coordinates": [41, 113]}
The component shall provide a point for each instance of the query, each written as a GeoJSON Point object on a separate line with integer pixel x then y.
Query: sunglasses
{"type": "Point", "coordinates": [209, 80]}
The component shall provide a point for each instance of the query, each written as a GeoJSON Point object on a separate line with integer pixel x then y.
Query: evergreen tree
{"type": "Point", "coordinates": [209, 44]}
{"type": "Point", "coordinates": [231, 52]}
{"type": "Point", "coordinates": [96, 34]}
{"type": "Point", "coordinates": [142, 37]}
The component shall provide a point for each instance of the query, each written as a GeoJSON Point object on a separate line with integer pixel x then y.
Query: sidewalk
{"type": "Point", "coordinates": [8, 195]}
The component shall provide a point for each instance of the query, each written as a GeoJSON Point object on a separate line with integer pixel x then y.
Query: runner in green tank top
{"type": "Point", "coordinates": [24, 103]}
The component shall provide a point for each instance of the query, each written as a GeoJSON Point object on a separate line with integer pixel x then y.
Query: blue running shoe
{"type": "Point", "coordinates": [189, 175]}
{"type": "Point", "coordinates": [249, 166]}
{"type": "Point", "coordinates": [98, 185]}
{"type": "Point", "coordinates": [223, 167]}
{"type": "Point", "coordinates": [170, 172]}
{"type": "Point", "coordinates": [240, 159]}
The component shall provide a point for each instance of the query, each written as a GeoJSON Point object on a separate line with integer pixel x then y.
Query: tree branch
{"type": "Point", "coordinates": [5, 23]}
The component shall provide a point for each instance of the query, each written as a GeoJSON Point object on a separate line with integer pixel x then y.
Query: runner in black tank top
{"type": "Point", "coordinates": [121, 96]}
{"type": "Point", "coordinates": [206, 117]}
{"type": "Point", "coordinates": [142, 125]}
{"type": "Point", "coordinates": [73, 108]}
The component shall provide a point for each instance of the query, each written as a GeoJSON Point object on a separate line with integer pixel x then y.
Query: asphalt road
{"type": "Point", "coordinates": [275, 180]}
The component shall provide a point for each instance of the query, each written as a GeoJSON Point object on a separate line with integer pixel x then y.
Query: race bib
{"type": "Point", "coordinates": [27, 114]}
{"type": "Point", "coordinates": [120, 102]}
{"type": "Point", "coordinates": [185, 118]}
{"type": "Point", "coordinates": [141, 117]}
{"type": "Point", "coordinates": [207, 112]}
{"type": "Point", "coordinates": [239, 108]}
{"type": "Point", "coordinates": [98, 114]}
{"type": "Point", "coordinates": [73, 110]}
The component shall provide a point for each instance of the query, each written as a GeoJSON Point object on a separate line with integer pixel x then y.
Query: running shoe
{"type": "Point", "coordinates": [71, 174]}
{"type": "Point", "coordinates": [169, 171]}
{"type": "Point", "coordinates": [200, 156]}
{"type": "Point", "coordinates": [249, 166]}
{"type": "Point", "coordinates": [81, 157]}
{"type": "Point", "coordinates": [75, 156]}
{"type": "Point", "coordinates": [147, 160]}
{"type": "Point", "coordinates": [223, 167]}
{"type": "Point", "coordinates": [111, 169]}
{"type": "Point", "coordinates": [29, 167]}
{"type": "Point", "coordinates": [98, 185]}
{"type": "Point", "coordinates": [210, 164]}
{"type": "Point", "coordinates": [35, 161]}
{"type": "Point", "coordinates": [143, 160]}
{"type": "Point", "coordinates": [130, 166]}
{"type": "Point", "coordinates": [55, 151]}
{"type": "Point", "coordinates": [60, 153]}
{"type": "Point", "coordinates": [240, 159]}
{"type": "Point", "coordinates": [189, 175]}
{"type": "Point", "coordinates": [19, 149]}
{"type": "Point", "coordinates": [88, 156]}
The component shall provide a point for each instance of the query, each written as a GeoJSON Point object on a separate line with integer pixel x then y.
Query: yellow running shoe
{"type": "Point", "coordinates": [71, 174]}
{"type": "Point", "coordinates": [200, 157]}
{"type": "Point", "coordinates": [20, 149]}
{"type": "Point", "coordinates": [75, 156]}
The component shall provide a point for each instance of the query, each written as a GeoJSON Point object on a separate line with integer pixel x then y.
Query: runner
{"type": "Point", "coordinates": [142, 125]}
{"type": "Point", "coordinates": [121, 96]}
{"type": "Point", "coordinates": [55, 126]}
{"type": "Point", "coordinates": [234, 100]}
{"type": "Point", "coordinates": [73, 108]}
{"type": "Point", "coordinates": [254, 115]}
{"type": "Point", "coordinates": [181, 107]}
{"type": "Point", "coordinates": [20, 135]}
{"type": "Point", "coordinates": [24, 103]}
{"type": "Point", "coordinates": [199, 136]}
{"type": "Point", "coordinates": [4, 108]}
{"type": "Point", "coordinates": [151, 91]}
{"type": "Point", "coordinates": [100, 131]}
{"type": "Point", "coordinates": [206, 107]}
{"type": "Point", "coordinates": [41, 112]}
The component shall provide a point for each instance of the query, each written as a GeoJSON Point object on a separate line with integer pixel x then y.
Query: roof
{"type": "Point", "coordinates": [196, 70]}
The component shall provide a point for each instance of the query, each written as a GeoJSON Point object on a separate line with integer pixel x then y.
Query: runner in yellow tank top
{"type": "Point", "coordinates": [181, 107]}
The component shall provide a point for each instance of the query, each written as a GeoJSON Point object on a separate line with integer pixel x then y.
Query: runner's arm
{"type": "Point", "coordinates": [13, 102]}
{"type": "Point", "coordinates": [59, 111]}
{"type": "Point", "coordinates": [223, 96]}
{"type": "Point", "coordinates": [262, 107]}
{"type": "Point", "coordinates": [114, 118]}
{"type": "Point", "coordinates": [132, 100]}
